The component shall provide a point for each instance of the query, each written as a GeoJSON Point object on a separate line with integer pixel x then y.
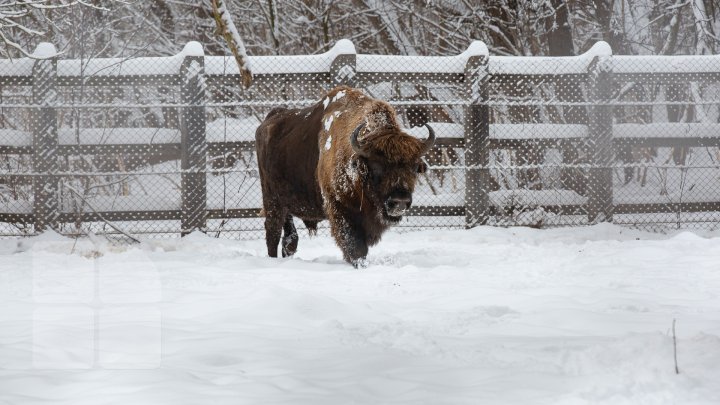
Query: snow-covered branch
{"type": "Point", "coordinates": [227, 29]}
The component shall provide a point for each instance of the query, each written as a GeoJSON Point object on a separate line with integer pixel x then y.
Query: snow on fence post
{"type": "Point", "coordinates": [344, 67]}
{"type": "Point", "coordinates": [193, 145]}
{"type": "Point", "coordinates": [600, 132]}
{"type": "Point", "coordinates": [477, 134]}
{"type": "Point", "coordinates": [43, 123]}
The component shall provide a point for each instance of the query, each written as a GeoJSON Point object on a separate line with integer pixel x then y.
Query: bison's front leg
{"type": "Point", "coordinates": [350, 237]}
{"type": "Point", "coordinates": [290, 237]}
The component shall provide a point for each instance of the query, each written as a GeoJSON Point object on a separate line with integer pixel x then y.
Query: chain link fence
{"type": "Point", "coordinates": [164, 146]}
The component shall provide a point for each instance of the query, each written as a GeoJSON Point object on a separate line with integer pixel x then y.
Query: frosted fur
{"type": "Point", "coordinates": [377, 121]}
{"type": "Point", "coordinates": [356, 198]}
{"type": "Point", "coordinates": [362, 187]}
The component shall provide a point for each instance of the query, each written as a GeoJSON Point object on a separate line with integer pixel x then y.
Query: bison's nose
{"type": "Point", "coordinates": [397, 206]}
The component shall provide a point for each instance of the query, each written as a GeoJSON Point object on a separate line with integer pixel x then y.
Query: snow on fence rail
{"type": "Point", "coordinates": [479, 133]}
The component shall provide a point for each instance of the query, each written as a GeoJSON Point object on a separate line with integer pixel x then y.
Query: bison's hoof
{"type": "Point", "coordinates": [360, 263]}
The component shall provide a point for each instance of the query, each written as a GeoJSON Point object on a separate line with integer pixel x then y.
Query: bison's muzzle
{"type": "Point", "coordinates": [396, 206]}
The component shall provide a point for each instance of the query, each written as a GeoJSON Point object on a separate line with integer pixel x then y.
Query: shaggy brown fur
{"type": "Point", "coordinates": [361, 194]}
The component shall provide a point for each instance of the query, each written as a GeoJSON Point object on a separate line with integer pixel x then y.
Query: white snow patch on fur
{"type": "Point", "coordinates": [328, 143]}
{"type": "Point", "coordinates": [340, 94]}
{"type": "Point", "coordinates": [328, 122]}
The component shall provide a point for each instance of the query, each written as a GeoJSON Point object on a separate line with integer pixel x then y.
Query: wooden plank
{"type": "Point", "coordinates": [45, 144]}
{"type": "Point", "coordinates": [535, 79]}
{"type": "Point", "coordinates": [449, 142]}
{"type": "Point", "coordinates": [215, 148]}
{"type": "Point", "coordinates": [666, 78]}
{"type": "Point", "coordinates": [667, 142]}
{"type": "Point", "coordinates": [600, 144]}
{"type": "Point", "coordinates": [568, 142]}
{"type": "Point", "coordinates": [16, 80]}
{"type": "Point", "coordinates": [15, 150]}
{"type": "Point", "coordinates": [368, 78]}
{"type": "Point", "coordinates": [120, 80]}
{"type": "Point", "coordinates": [164, 149]}
{"type": "Point", "coordinates": [477, 132]}
{"type": "Point", "coordinates": [17, 218]}
{"type": "Point", "coordinates": [667, 207]}
{"type": "Point", "coordinates": [314, 78]}
{"type": "Point", "coordinates": [343, 70]}
{"type": "Point", "coordinates": [119, 216]}
{"type": "Point", "coordinates": [234, 213]}
{"type": "Point", "coordinates": [436, 211]}
{"type": "Point", "coordinates": [535, 142]}
{"type": "Point", "coordinates": [193, 151]}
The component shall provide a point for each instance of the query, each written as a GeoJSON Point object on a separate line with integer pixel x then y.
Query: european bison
{"type": "Point", "coordinates": [344, 159]}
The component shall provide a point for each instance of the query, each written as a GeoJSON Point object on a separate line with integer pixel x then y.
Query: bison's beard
{"type": "Point", "coordinates": [390, 219]}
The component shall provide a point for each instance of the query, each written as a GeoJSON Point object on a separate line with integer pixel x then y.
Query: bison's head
{"type": "Point", "coordinates": [389, 163]}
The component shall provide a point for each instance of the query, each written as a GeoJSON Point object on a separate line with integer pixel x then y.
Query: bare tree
{"type": "Point", "coordinates": [29, 17]}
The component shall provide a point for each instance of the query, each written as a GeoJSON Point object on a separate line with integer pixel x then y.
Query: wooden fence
{"type": "Point", "coordinates": [474, 71]}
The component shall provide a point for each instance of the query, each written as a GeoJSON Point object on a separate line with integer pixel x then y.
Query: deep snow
{"type": "Point", "coordinates": [489, 315]}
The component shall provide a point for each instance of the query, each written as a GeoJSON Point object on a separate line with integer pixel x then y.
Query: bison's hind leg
{"type": "Point", "coordinates": [290, 237]}
{"type": "Point", "coordinates": [273, 230]}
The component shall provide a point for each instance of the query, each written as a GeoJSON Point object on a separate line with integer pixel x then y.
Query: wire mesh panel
{"type": "Point", "coordinates": [541, 143]}
{"type": "Point", "coordinates": [165, 146]}
{"type": "Point", "coordinates": [666, 137]}
{"type": "Point", "coordinates": [17, 93]}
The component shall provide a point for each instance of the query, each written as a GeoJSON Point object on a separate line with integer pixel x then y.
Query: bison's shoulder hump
{"type": "Point", "coordinates": [275, 111]}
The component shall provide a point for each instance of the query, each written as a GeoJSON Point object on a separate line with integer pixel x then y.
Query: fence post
{"type": "Point", "coordinates": [43, 123]}
{"type": "Point", "coordinates": [600, 132]}
{"type": "Point", "coordinates": [477, 134]}
{"type": "Point", "coordinates": [344, 67]}
{"type": "Point", "coordinates": [193, 145]}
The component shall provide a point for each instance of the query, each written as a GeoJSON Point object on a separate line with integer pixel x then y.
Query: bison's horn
{"type": "Point", "coordinates": [354, 140]}
{"type": "Point", "coordinates": [430, 141]}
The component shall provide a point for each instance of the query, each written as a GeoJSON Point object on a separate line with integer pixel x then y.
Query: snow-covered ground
{"type": "Point", "coordinates": [482, 316]}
